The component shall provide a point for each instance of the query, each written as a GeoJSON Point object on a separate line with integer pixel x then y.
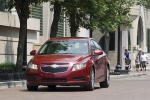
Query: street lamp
{"type": "Point", "coordinates": [118, 66]}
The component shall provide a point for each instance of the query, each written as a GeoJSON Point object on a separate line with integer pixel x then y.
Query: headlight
{"type": "Point", "coordinates": [32, 66]}
{"type": "Point", "coordinates": [78, 66]}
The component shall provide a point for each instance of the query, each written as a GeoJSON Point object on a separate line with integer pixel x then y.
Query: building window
{"type": "Point", "coordinates": [111, 41]}
{"type": "Point", "coordinates": [37, 12]}
{"type": "Point", "coordinates": [148, 40]}
{"type": "Point", "coordinates": [61, 28]}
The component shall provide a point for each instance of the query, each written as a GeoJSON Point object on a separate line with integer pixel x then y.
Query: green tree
{"type": "Point", "coordinates": [116, 14]}
{"type": "Point", "coordinates": [145, 3]}
{"type": "Point", "coordinates": [106, 15]}
{"type": "Point", "coordinates": [23, 10]}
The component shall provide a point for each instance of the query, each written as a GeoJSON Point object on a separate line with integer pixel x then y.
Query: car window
{"type": "Point", "coordinates": [65, 47]}
{"type": "Point", "coordinates": [97, 45]}
{"type": "Point", "coordinates": [92, 45]}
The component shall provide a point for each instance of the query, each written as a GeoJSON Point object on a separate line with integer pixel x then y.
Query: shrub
{"type": "Point", "coordinates": [7, 67]}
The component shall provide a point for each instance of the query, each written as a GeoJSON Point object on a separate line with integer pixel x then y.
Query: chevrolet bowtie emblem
{"type": "Point", "coordinates": [54, 66]}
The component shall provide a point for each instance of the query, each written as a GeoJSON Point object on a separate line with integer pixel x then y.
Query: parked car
{"type": "Point", "coordinates": [68, 61]}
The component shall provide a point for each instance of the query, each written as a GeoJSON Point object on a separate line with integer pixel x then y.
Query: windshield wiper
{"type": "Point", "coordinates": [42, 53]}
{"type": "Point", "coordinates": [65, 53]}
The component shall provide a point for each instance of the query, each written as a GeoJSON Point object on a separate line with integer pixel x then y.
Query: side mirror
{"type": "Point", "coordinates": [33, 52]}
{"type": "Point", "coordinates": [98, 52]}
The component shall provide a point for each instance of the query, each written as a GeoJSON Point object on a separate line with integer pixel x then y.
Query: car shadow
{"type": "Point", "coordinates": [61, 89]}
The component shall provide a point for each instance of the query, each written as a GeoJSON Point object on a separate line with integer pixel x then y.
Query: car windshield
{"type": "Point", "coordinates": [65, 47]}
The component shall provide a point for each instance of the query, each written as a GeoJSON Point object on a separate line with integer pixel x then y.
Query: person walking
{"type": "Point", "coordinates": [143, 61]}
{"type": "Point", "coordinates": [137, 63]}
{"type": "Point", "coordinates": [127, 59]}
{"type": "Point", "coordinates": [138, 56]}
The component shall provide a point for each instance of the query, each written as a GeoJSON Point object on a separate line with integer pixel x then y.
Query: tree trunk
{"type": "Point", "coordinates": [23, 15]}
{"type": "Point", "coordinates": [73, 27]}
{"type": "Point", "coordinates": [54, 26]}
{"type": "Point", "coordinates": [106, 45]}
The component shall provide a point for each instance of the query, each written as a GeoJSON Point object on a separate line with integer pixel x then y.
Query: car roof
{"type": "Point", "coordinates": [69, 38]}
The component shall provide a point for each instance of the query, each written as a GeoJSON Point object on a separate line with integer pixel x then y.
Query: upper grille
{"type": "Point", "coordinates": [49, 69]}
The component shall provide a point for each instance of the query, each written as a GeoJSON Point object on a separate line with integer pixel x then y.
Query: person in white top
{"type": "Point", "coordinates": [143, 59]}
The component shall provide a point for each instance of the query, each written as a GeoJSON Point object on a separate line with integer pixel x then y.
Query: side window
{"type": "Point", "coordinates": [97, 45]}
{"type": "Point", "coordinates": [92, 46]}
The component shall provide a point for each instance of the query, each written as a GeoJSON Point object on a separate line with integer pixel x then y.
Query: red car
{"type": "Point", "coordinates": [68, 61]}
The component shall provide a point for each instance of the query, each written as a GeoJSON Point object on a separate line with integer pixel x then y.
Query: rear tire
{"type": "Point", "coordinates": [106, 82]}
{"type": "Point", "coordinates": [32, 88]}
{"type": "Point", "coordinates": [90, 86]}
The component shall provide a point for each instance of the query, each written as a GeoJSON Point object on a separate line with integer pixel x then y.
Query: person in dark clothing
{"type": "Point", "coordinates": [139, 56]}
{"type": "Point", "coordinates": [127, 59]}
{"type": "Point", "coordinates": [127, 54]}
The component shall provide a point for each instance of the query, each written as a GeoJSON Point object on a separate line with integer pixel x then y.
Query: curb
{"type": "Point", "coordinates": [127, 75]}
{"type": "Point", "coordinates": [12, 84]}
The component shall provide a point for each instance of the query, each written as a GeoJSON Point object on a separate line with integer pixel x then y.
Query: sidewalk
{"type": "Point", "coordinates": [132, 73]}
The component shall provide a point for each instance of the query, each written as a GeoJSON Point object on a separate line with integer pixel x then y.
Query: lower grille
{"type": "Point", "coordinates": [79, 78]}
{"type": "Point", "coordinates": [54, 80]}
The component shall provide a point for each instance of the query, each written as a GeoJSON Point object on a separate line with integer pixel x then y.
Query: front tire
{"type": "Point", "coordinates": [32, 88]}
{"type": "Point", "coordinates": [106, 82]}
{"type": "Point", "coordinates": [90, 86]}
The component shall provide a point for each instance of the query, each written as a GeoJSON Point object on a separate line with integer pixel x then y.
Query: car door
{"type": "Point", "coordinates": [98, 61]}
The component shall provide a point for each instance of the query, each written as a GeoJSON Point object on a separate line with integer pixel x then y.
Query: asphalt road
{"type": "Point", "coordinates": [134, 88]}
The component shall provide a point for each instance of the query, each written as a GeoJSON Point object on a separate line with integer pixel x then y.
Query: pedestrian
{"type": "Point", "coordinates": [143, 61]}
{"type": "Point", "coordinates": [127, 54]}
{"type": "Point", "coordinates": [127, 59]}
{"type": "Point", "coordinates": [138, 56]}
{"type": "Point", "coordinates": [137, 63]}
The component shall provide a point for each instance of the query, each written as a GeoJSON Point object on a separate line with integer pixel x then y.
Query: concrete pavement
{"type": "Point", "coordinates": [132, 73]}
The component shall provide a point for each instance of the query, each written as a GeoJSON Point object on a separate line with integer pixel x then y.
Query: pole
{"type": "Point", "coordinates": [118, 56]}
{"type": "Point", "coordinates": [118, 67]}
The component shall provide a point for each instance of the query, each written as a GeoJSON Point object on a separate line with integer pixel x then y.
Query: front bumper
{"type": "Point", "coordinates": [80, 77]}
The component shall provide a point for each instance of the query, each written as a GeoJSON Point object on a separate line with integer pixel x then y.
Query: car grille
{"type": "Point", "coordinates": [61, 68]}
{"type": "Point", "coordinates": [54, 80]}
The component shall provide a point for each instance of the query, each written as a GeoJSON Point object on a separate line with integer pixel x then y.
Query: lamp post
{"type": "Point", "coordinates": [118, 66]}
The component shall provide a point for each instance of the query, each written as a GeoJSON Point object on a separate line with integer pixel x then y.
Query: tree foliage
{"type": "Point", "coordinates": [91, 14]}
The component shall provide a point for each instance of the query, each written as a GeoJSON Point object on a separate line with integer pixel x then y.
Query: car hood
{"type": "Point", "coordinates": [58, 58]}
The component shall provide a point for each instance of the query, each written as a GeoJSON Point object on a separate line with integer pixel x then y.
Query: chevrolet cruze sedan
{"type": "Point", "coordinates": [68, 61]}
